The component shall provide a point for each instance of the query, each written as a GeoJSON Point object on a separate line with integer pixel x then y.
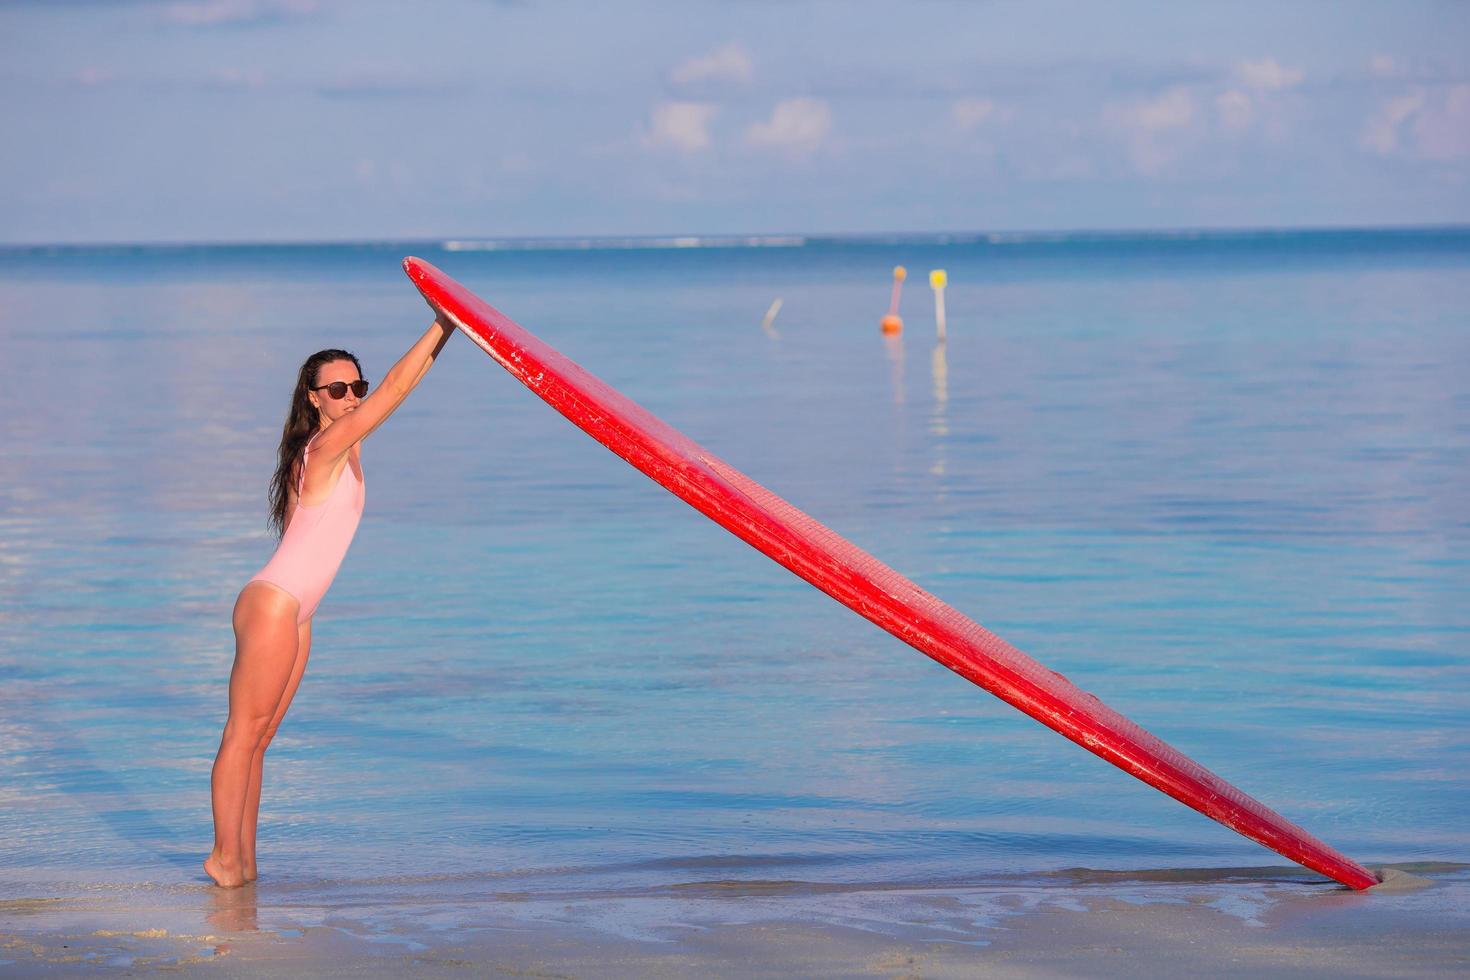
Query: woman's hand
{"type": "Point", "coordinates": [384, 400]}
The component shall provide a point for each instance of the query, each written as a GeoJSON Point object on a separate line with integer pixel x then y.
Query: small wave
{"type": "Point", "coordinates": [613, 244]}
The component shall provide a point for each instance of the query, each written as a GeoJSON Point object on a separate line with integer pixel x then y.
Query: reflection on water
{"type": "Point", "coordinates": [1222, 489]}
{"type": "Point", "coordinates": [893, 349]}
{"type": "Point", "coordinates": [938, 416]}
{"type": "Point", "coordinates": [233, 909]}
{"type": "Point", "coordinates": [939, 371]}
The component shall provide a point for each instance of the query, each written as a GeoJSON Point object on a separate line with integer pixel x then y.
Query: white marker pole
{"type": "Point", "coordinates": [768, 323]}
{"type": "Point", "coordinates": [937, 281]}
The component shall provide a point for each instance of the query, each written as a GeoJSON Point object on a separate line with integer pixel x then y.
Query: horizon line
{"type": "Point", "coordinates": [752, 239]}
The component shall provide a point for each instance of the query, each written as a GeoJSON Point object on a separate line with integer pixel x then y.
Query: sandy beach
{"type": "Point", "coordinates": [1159, 924]}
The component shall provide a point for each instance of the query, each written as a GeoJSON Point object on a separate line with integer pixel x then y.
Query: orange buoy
{"type": "Point", "coordinates": [892, 322]}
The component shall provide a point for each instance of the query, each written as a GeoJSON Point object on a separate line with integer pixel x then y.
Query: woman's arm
{"type": "Point", "coordinates": [384, 400]}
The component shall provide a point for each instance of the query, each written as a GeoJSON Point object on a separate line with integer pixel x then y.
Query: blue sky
{"type": "Point", "coordinates": [228, 120]}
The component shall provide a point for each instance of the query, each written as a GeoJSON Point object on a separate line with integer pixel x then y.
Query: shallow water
{"type": "Point", "coordinates": [1218, 481]}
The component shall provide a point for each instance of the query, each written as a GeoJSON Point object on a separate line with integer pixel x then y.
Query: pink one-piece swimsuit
{"type": "Point", "coordinates": [316, 540]}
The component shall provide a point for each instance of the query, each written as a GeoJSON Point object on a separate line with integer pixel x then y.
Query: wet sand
{"type": "Point", "coordinates": [1417, 926]}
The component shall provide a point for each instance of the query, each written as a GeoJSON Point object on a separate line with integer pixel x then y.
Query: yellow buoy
{"type": "Point", "coordinates": [938, 278]}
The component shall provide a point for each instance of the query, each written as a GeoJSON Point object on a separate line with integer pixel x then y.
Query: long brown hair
{"type": "Point", "coordinates": [302, 422]}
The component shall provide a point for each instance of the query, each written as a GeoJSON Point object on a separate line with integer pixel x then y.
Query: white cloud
{"type": "Point", "coordinates": [683, 126]}
{"type": "Point", "coordinates": [1235, 109]}
{"type": "Point", "coordinates": [209, 13]}
{"type": "Point", "coordinates": [1252, 100]}
{"type": "Point", "coordinates": [1382, 66]}
{"type": "Point", "coordinates": [966, 114]}
{"type": "Point", "coordinates": [94, 75]}
{"type": "Point", "coordinates": [1382, 131]}
{"type": "Point", "coordinates": [1267, 75]}
{"type": "Point", "coordinates": [1173, 109]}
{"type": "Point", "coordinates": [236, 78]}
{"type": "Point", "coordinates": [730, 63]}
{"type": "Point", "coordinates": [1442, 128]}
{"type": "Point", "coordinates": [394, 175]}
{"type": "Point", "coordinates": [797, 126]}
{"type": "Point", "coordinates": [1154, 130]}
{"type": "Point", "coordinates": [517, 163]}
{"type": "Point", "coordinates": [1423, 124]}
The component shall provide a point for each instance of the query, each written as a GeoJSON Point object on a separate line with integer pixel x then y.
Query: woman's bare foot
{"type": "Point", "coordinates": [223, 875]}
{"type": "Point", "coordinates": [247, 871]}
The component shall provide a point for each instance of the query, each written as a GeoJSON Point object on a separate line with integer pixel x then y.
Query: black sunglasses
{"type": "Point", "coordinates": [338, 389]}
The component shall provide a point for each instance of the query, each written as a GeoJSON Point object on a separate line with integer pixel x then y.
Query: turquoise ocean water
{"type": "Point", "coordinates": [1217, 479]}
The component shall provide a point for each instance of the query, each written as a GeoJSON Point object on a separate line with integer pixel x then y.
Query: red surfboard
{"type": "Point", "coordinates": [861, 582]}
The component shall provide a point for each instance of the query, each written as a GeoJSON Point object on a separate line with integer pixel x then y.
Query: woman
{"type": "Point", "coordinates": [316, 500]}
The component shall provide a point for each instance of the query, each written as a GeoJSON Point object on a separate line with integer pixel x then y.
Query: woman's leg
{"type": "Point", "coordinates": [252, 793]}
{"type": "Point", "coordinates": [265, 651]}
